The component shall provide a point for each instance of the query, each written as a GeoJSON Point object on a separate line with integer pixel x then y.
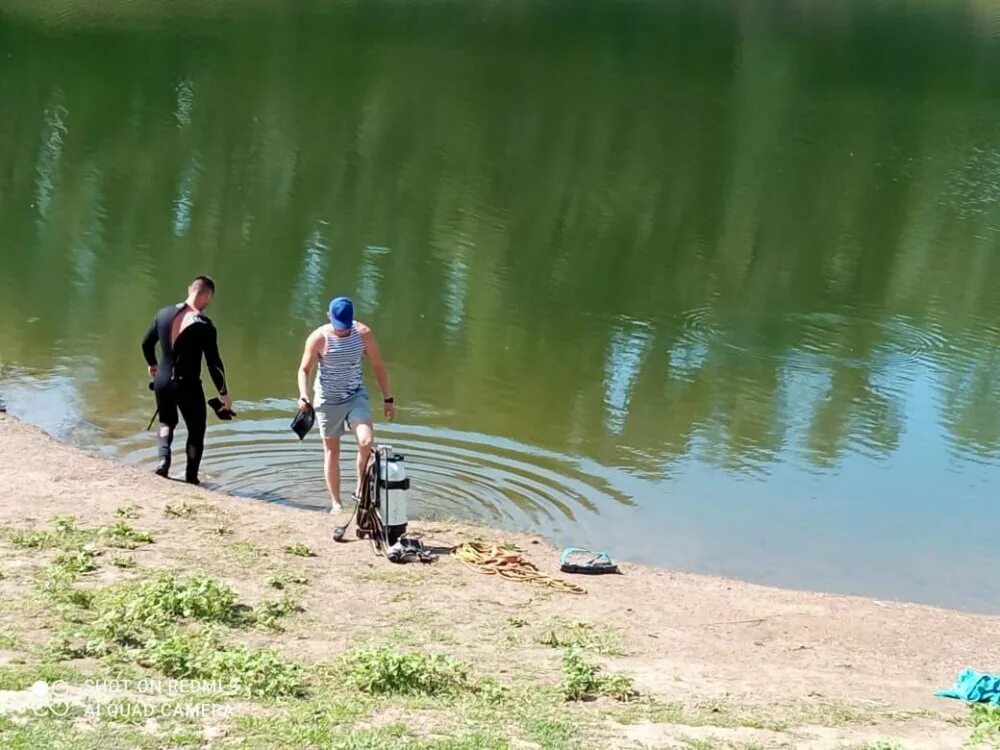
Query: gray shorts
{"type": "Point", "coordinates": [339, 419]}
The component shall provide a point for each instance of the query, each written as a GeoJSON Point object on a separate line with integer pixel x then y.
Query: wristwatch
{"type": "Point", "coordinates": [389, 400]}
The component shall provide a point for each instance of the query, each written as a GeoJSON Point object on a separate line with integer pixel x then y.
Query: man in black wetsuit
{"type": "Point", "coordinates": [184, 334]}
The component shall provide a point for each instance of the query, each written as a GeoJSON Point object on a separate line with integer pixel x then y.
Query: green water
{"type": "Point", "coordinates": [710, 285]}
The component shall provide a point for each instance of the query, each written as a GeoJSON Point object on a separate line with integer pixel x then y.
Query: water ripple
{"type": "Point", "coordinates": [802, 339]}
{"type": "Point", "coordinates": [454, 474]}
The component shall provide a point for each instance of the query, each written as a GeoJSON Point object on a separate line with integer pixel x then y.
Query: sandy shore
{"type": "Point", "coordinates": [685, 639]}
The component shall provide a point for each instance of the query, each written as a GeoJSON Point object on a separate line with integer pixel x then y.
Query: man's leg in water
{"type": "Point", "coordinates": [195, 412]}
{"type": "Point", "coordinates": [331, 466]}
{"type": "Point", "coordinates": [366, 437]}
{"type": "Point", "coordinates": [167, 404]}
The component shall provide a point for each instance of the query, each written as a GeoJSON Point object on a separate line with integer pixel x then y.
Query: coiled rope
{"type": "Point", "coordinates": [492, 559]}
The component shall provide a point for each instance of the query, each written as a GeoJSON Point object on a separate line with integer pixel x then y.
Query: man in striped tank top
{"type": "Point", "coordinates": [341, 400]}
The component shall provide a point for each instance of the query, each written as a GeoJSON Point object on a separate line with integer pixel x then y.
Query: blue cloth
{"type": "Point", "coordinates": [975, 687]}
{"type": "Point", "coordinates": [596, 557]}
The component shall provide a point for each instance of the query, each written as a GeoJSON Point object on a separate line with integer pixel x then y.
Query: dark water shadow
{"type": "Point", "coordinates": [267, 496]}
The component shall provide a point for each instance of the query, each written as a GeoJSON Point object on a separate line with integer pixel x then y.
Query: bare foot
{"type": "Point", "coordinates": [336, 508]}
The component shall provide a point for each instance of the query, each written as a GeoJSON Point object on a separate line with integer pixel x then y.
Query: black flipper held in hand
{"type": "Point", "coordinates": [304, 420]}
{"type": "Point", "coordinates": [221, 411]}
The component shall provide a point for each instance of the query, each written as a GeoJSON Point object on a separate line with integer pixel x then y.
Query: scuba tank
{"type": "Point", "coordinates": [392, 486]}
{"type": "Point", "coordinates": [381, 511]}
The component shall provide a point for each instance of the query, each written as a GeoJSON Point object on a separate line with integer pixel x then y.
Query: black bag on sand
{"type": "Point", "coordinates": [303, 422]}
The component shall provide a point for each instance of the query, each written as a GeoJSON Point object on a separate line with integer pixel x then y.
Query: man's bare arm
{"type": "Point", "coordinates": [309, 356]}
{"type": "Point", "coordinates": [378, 365]}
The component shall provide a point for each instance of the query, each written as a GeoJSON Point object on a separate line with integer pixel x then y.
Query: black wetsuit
{"type": "Point", "coordinates": [178, 381]}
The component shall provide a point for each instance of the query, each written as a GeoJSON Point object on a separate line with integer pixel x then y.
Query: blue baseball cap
{"type": "Point", "coordinates": [342, 313]}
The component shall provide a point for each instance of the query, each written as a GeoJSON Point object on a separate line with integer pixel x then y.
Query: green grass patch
{"type": "Point", "coordinates": [599, 640]}
{"type": "Point", "coordinates": [551, 733]}
{"type": "Point", "coordinates": [23, 676]}
{"type": "Point", "coordinates": [705, 714]}
{"type": "Point", "coordinates": [56, 584]}
{"type": "Point", "coordinates": [313, 723]}
{"type": "Point", "coordinates": [270, 612]}
{"type": "Point", "coordinates": [78, 560]}
{"type": "Point", "coordinates": [64, 524]}
{"type": "Point", "coordinates": [201, 654]}
{"type": "Point", "coordinates": [127, 511]}
{"type": "Point", "coordinates": [282, 581]}
{"type": "Point", "coordinates": [180, 510]}
{"type": "Point", "coordinates": [985, 726]}
{"type": "Point", "coordinates": [382, 671]}
{"type": "Point", "coordinates": [68, 537]}
{"type": "Point", "coordinates": [63, 534]}
{"type": "Point", "coordinates": [149, 623]}
{"type": "Point", "coordinates": [57, 732]}
{"type": "Point", "coordinates": [390, 576]}
{"type": "Point", "coordinates": [300, 550]}
{"type": "Point", "coordinates": [124, 536]}
{"type": "Point", "coordinates": [697, 743]}
{"type": "Point", "coordinates": [33, 539]}
{"type": "Point", "coordinates": [718, 714]}
{"type": "Point", "coordinates": [8, 640]}
{"type": "Point", "coordinates": [471, 741]}
{"type": "Point", "coordinates": [583, 680]}
{"type": "Point", "coordinates": [247, 552]}
{"type": "Point", "coordinates": [68, 642]}
{"type": "Point", "coordinates": [123, 561]}
{"type": "Point", "coordinates": [124, 711]}
{"type": "Point", "coordinates": [269, 734]}
{"type": "Point", "coordinates": [129, 612]}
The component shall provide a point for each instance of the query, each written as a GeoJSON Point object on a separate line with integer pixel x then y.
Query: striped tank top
{"type": "Point", "coordinates": [339, 376]}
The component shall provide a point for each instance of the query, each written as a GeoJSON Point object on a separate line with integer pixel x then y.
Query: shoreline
{"type": "Point", "coordinates": [684, 639]}
{"type": "Point", "coordinates": [106, 449]}
{"type": "Point", "coordinates": [106, 453]}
